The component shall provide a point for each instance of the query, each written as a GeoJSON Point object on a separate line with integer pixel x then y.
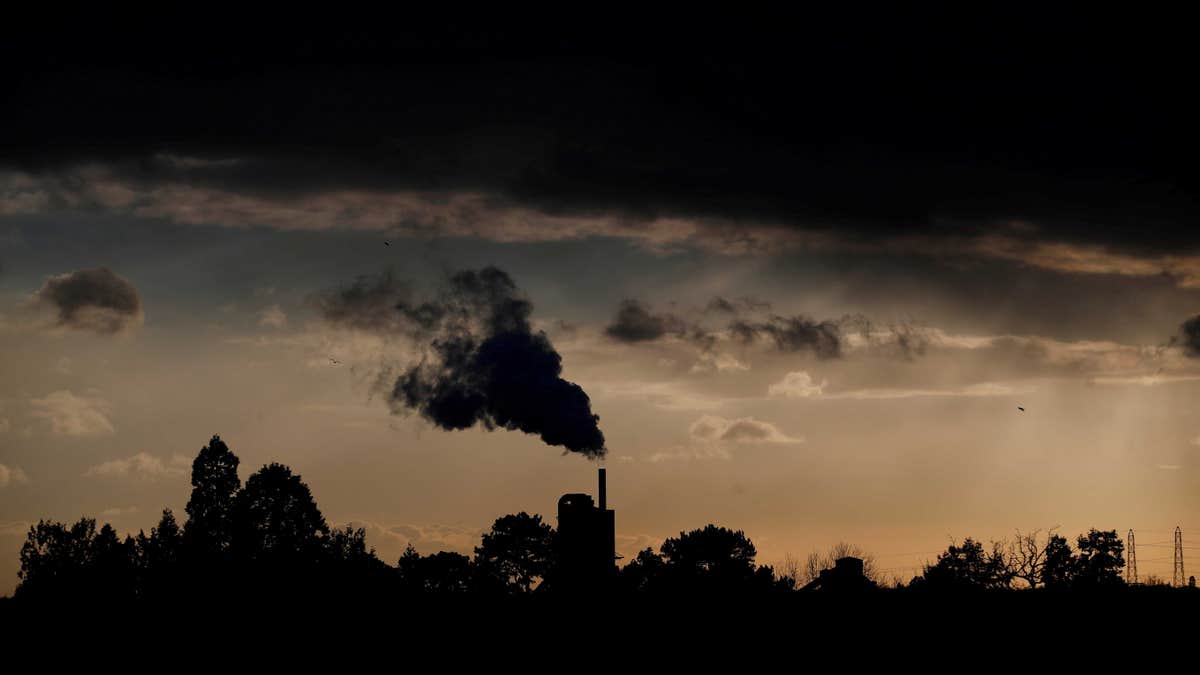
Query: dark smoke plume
{"type": "Point", "coordinates": [721, 305]}
{"type": "Point", "coordinates": [827, 339]}
{"type": "Point", "coordinates": [484, 365]}
{"type": "Point", "coordinates": [793, 334]}
{"type": "Point", "coordinates": [95, 300]}
{"type": "Point", "coordinates": [1189, 337]}
{"type": "Point", "coordinates": [635, 322]}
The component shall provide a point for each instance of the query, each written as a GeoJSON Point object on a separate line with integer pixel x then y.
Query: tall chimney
{"type": "Point", "coordinates": [603, 491]}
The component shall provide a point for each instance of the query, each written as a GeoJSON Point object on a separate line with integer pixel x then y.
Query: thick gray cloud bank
{"type": "Point", "coordinates": [890, 147]}
{"type": "Point", "coordinates": [483, 364]}
{"type": "Point", "coordinates": [95, 300]}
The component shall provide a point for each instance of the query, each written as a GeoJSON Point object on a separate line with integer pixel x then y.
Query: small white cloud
{"type": "Point", "coordinates": [142, 466]}
{"type": "Point", "coordinates": [721, 363]}
{"type": "Point", "coordinates": [710, 428]}
{"type": "Point", "coordinates": [272, 317]}
{"type": "Point", "coordinates": [12, 476]}
{"type": "Point", "coordinates": [797, 384]}
{"type": "Point", "coordinates": [73, 415]}
{"type": "Point", "coordinates": [118, 511]}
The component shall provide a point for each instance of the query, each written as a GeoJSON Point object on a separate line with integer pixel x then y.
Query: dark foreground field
{"type": "Point", "coordinates": [988, 631]}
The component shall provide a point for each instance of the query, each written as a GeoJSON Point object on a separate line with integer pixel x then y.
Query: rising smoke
{"type": "Point", "coordinates": [483, 364]}
{"type": "Point", "coordinates": [750, 322]}
{"type": "Point", "coordinates": [1189, 337]}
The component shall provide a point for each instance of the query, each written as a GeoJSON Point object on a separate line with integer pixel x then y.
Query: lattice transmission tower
{"type": "Point", "coordinates": [1178, 579]}
{"type": "Point", "coordinates": [1131, 561]}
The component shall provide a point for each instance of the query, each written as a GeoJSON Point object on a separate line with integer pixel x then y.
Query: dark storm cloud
{"type": "Point", "coordinates": [859, 127]}
{"type": "Point", "coordinates": [484, 365]}
{"type": "Point", "coordinates": [95, 300]}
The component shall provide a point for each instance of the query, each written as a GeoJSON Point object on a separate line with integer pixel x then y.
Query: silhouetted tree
{"type": "Point", "coordinates": [275, 519]}
{"type": "Point", "coordinates": [1058, 567]}
{"type": "Point", "coordinates": [966, 566]}
{"type": "Point", "coordinates": [113, 568]}
{"type": "Point", "coordinates": [714, 558]}
{"type": "Point", "coordinates": [1101, 559]}
{"type": "Point", "coordinates": [54, 557]}
{"type": "Point", "coordinates": [160, 554]}
{"type": "Point", "coordinates": [346, 549]}
{"type": "Point", "coordinates": [1026, 557]}
{"type": "Point", "coordinates": [348, 564]}
{"type": "Point", "coordinates": [215, 482]}
{"type": "Point", "coordinates": [76, 562]}
{"type": "Point", "coordinates": [644, 573]}
{"type": "Point", "coordinates": [442, 572]}
{"type": "Point", "coordinates": [517, 552]}
{"type": "Point", "coordinates": [163, 547]}
{"type": "Point", "coordinates": [766, 577]}
{"type": "Point", "coordinates": [789, 567]}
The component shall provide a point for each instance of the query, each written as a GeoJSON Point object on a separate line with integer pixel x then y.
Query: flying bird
{"type": "Point", "coordinates": [1020, 408]}
{"type": "Point", "coordinates": [334, 361]}
{"type": "Point", "coordinates": [387, 243]}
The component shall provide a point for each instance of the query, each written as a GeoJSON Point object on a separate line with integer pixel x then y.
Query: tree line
{"type": "Point", "coordinates": [268, 536]}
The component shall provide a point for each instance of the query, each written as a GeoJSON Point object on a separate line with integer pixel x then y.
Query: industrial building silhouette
{"type": "Point", "coordinates": [846, 575]}
{"type": "Point", "coordinates": [586, 541]}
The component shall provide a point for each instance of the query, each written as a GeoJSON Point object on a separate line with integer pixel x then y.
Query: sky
{"type": "Point", "coordinates": [797, 277]}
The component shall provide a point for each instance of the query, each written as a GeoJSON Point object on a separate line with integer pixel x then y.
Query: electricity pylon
{"type": "Point", "coordinates": [1178, 579]}
{"type": "Point", "coordinates": [1131, 562]}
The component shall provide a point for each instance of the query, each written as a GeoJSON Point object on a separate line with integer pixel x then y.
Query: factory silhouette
{"type": "Point", "coordinates": [267, 538]}
{"type": "Point", "coordinates": [587, 539]}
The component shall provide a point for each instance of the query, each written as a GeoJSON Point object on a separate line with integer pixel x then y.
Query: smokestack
{"type": "Point", "coordinates": [603, 491]}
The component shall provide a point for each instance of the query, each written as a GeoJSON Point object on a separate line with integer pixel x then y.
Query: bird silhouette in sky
{"type": "Point", "coordinates": [334, 361]}
{"type": "Point", "coordinates": [387, 243]}
{"type": "Point", "coordinates": [1020, 408]}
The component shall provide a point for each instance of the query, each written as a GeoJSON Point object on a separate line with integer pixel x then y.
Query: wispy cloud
{"type": "Point", "coordinates": [272, 317]}
{"type": "Point", "coordinates": [72, 415]}
{"type": "Point", "coordinates": [12, 476]}
{"type": "Point", "coordinates": [1145, 380]}
{"type": "Point", "coordinates": [143, 466]}
{"type": "Point", "coordinates": [711, 428]}
{"type": "Point", "coordinates": [982, 389]}
{"type": "Point", "coordinates": [663, 395]}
